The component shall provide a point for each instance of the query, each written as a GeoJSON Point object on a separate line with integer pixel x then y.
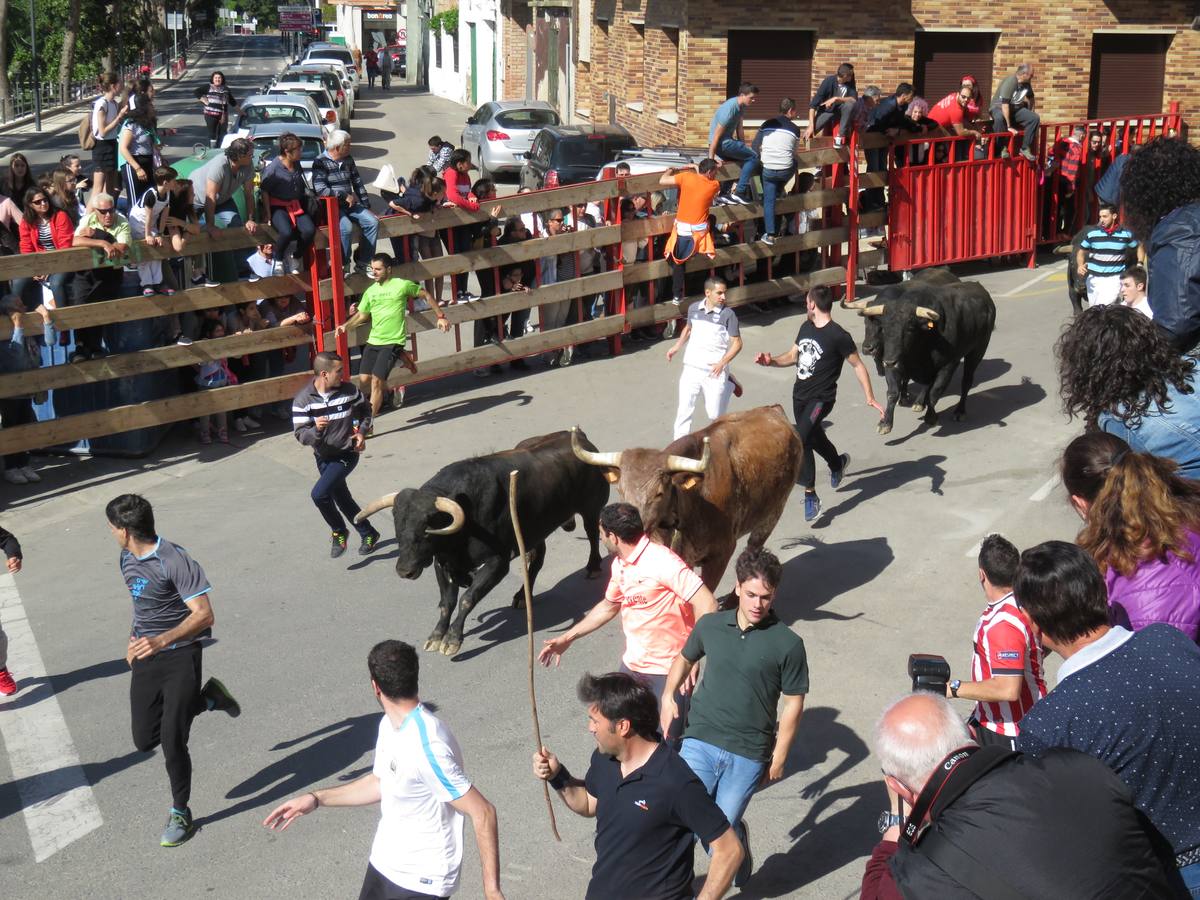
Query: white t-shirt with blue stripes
{"type": "Point", "coordinates": [419, 842]}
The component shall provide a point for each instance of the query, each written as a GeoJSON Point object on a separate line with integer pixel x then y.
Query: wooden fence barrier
{"type": "Point", "coordinates": [326, 296]}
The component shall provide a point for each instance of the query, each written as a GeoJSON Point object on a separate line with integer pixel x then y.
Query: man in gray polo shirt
{"type": "Point", "coordinates": [731, 741]}
{"type": "Point", "coordinates": [214, 186]}
{"type": "Point", "coordinates": [171, 614]}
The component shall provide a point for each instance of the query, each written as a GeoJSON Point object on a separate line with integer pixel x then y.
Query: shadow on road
{"type": "Point", "coordinates": [457, 409]}
{"type": "Point", "coordinates": [34, 690]}
{"type": "Point", "coordinates": [44, 787]}
{"type": "Point", "coordinates": [341, 745]}
{"type": "Point", "coordinates": [824, 573]}
{"type": "Point", "coordinates": [867, 484]}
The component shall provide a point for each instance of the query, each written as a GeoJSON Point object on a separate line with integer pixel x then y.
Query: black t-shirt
{"type": "Point", "coordinates": [819, 364]}
{"type": "Point", "coordinates": [645, 825]}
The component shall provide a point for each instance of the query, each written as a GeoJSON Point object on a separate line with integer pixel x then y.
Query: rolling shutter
{"type": "Point", "coordinates": [942, 58]}
{"type": "Point", "coordinates": [779, 62]}
{"type": "Point", "coordinates": [1128, 71]}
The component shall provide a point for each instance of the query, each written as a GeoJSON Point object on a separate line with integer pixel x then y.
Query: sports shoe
{"type": "Point", "coordinates": [1029, 154]}
{"type": "Point", "coordinates": [835, 478]}
{"type": "Point", "coordinates": [251, 422]}
{"type": "Point", "coordinates": [398, 398]}
{"type": "Point", "coordinates": [183, 340]}
{"type": "Point", "coordinates": [218, 698]}
{"type": "Point", "coordinates": [736, 197]}
{"type": "Point", "coordinates": [669, 331]}
{"type": "Point", "coordinates": [8, 687]}
{"type": "Point", "coordinates": [239, 425]}
{"type": "Point", "coordinates": [147, 291]}
{"type": "Point", "coordinates": [565, 358]}
{"type": "Point", "coordinates": [15, 476]}
{"type": "Point", "coordinates": [203, 279]}
{"type": "Point", "coordinates": [179, 829]}
{"type": "Point", "coordinates": [838, 140]}
{"type": "Point", "coordinates": [367, 547]}
{"type": "Point", "coordinates": [166, 290]}
{"type": "Point", "coordinates": [812, 507]}
{"type": "Point", "coordinates": [746, 869]}
{"type": "Point", "coordinates": [337, 545]}
{"type": "Point", "coordinates": [30, 475]}
{"type": "Point", "coordinates": [738, 390]}
{"type": "Point", "coordinates": [677, 300]}
{"type": "Point", "coordinates": [768, 239]}
{"type": "Point", "coordinates": [254, 278]}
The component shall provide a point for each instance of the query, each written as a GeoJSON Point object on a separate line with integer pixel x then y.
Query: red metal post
{"type": "Point", "coordinates": [337, 279]}
{"type": "Point", "coordinates": [852, 219]}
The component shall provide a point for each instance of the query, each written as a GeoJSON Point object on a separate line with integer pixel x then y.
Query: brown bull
{"type": "Point", "coordinates": [707, 489]}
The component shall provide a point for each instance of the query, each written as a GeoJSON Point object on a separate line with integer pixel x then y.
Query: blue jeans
{"type": "Point", "coordinates": [729, 149]}
{"type": "Point", "coordinates": [729, 779]}
{"type": "Point", "coordinates": [369, 223]}
{"type": "Point", "coordinates": [332, 496]}
{"type": "Point", "coordinates": [1191, 878]}
{"type": "Point", "coordinates": [773, 181]}
{"type": "Point", "coordinates": [56, 282]}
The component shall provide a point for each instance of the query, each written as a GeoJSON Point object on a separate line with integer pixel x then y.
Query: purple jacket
{"type": "Point", "coordinates": [1167, 592]}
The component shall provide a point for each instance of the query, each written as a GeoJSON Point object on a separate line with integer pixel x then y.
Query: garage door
{"type": "Point", "coordinates": [942, 58]}
{"type": "Point", "coordinates": [1127, 75]}
{"type": "Point", "coordinates": [779, 62]}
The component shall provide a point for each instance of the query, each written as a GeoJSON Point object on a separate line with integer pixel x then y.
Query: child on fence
{"type": "Point", "coordinates": [147, 221]}
{"type": "Point", "coordinates": [213, 374]}
{"type": "Point", "coordinates": [182, 222]}
{"type": "Point", "coordinates": [425, 193]}
{"type": "Point", "coordinates": [262, 262]}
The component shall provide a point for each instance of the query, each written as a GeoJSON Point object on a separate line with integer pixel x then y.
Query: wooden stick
{"type": "Point", "coordinates": [537, 728]}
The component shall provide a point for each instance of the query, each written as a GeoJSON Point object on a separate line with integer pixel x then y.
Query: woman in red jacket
{"type": "Point", "coordinates": [43, 228]}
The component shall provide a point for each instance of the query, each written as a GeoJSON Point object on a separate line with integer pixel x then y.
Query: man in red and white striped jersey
{"type": "Point", "coordinates": [1006, 666]}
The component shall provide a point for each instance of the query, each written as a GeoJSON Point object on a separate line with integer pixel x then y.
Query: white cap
{"type": "Point", "coordinates": [386, 179]}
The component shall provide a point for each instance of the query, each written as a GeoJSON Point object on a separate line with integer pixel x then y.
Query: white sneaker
{"type": "Point", "coordinates": [251, 422]}
{"type": "Point", "coordinates": [239, 424]}
{"type": "Point", "coordinates": [30, 475]}
{"type": "Point", "coordinates": [15, 476]}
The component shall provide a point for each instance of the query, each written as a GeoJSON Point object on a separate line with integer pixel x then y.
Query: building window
{"type": "Point", "coordinates": [1128, 71]}
{"type": "Point", "coordinates": [778, 61]}
{"type": "Point", "coordinates": [942, 58]}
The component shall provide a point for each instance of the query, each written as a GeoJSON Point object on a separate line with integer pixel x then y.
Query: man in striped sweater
{"type": "Point", "coordinates": [332, 416]}
{"type": "Point", "coordinates": [1107, 250]}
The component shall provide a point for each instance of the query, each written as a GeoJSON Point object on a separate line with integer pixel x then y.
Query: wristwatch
{"type": "Point", "coordinates": [888, 819]}
{"type": "Point", "coordinates": [955, 684]}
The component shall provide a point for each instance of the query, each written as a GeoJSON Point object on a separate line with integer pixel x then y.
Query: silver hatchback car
{"type": "Point", "coordinates": [498, 134]}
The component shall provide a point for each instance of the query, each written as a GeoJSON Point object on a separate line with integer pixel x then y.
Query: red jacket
{"type": "Point", "coordinates": [60, 227]}
{"type": "Point", "coordinates": [459, 194]}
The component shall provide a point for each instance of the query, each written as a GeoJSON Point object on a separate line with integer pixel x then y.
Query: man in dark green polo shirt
{"type": "Point", "coordinates": [731, 741]}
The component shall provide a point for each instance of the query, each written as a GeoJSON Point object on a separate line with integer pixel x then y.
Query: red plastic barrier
{"type": "Point", "coordinates": [945, 211]}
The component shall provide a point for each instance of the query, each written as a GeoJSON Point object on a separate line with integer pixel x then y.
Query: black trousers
{"type": "Point", "coordinates": [164, 697]}
{"type": "Point", "coordinates": [214, 129]}
{"type": "Point", "coordinates": [809, 416]}
{"type": "Point", "coordinates": [303, 232]}
{"type": "Point", "coordinates": [376, 887]}
{"type": "Point", "coordinates": [16, 411]}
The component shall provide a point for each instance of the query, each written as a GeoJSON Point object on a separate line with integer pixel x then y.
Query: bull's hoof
{"type": "Point", "coordinates": [930, 418]}
{"type": "Point", "coordinates": [959, 415]}
{"type": "Point", "coordinates": [883, 428]}
{"type": "Point", "coordinates": [918, 408]}
{"type": "Point", "coordinates": [592, 574]}
{"type": "Point", "coordinates": [449, 648]}
{"type": "Point", "coordinates": [433, 645]}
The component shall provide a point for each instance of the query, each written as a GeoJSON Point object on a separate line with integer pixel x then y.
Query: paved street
{"type": "Point", "coordinates": [888, 571]}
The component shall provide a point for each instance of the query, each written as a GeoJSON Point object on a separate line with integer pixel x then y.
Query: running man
{"type": "Point", "coordinates": [698, 187]}
{"type": "Point", "coordinates": [385, 304]}
{"type": "Point", "coordinates": [712, 339]}
{"type": "Point", "coordinates": [171, 616]}
{"type": "Point", "coordinates": [822, 345]}
{"type": "Point", "coordinates": [422, 791]}
{"type": "Point", "coordinates": [332, 416]}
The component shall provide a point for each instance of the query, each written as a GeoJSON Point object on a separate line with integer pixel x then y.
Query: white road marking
{"type": "Point", "coordinates": [1035, 279]}
{"type": "Point", "coordinates": [55, 795]}
{"type": "Point", "coordinates": [1044, 491]}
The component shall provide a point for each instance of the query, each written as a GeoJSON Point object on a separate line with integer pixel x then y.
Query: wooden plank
{"type": "Point", "coordinates": [654, 225]}
{"type": "Point", "coordinates": [157, 359]}
{"type": "Point", "coordinates": [873, 219]}
{"type": "Point", "coordinates": [129, 309]}
{"type": "Point", "coordinates": [120, 419]}
{"type": "Point", "coordinates": [876, 257]}
{"type": "Point", "coordinates": [872, 180]}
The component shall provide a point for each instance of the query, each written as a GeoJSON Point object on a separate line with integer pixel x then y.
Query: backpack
{"type": "Point", "coordinates": [87, 140]}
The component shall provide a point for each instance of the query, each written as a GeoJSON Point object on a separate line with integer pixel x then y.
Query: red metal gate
{"type": "Point", "coordinates": [944, 211]}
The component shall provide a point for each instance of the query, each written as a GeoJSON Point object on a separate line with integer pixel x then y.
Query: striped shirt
{"type": "Point", "coordinates": [1108, 252]}
{"type": "Point", "coordinates": [337, 178]}
{"type": "Point", "coordinates": [343, 408]}
{"type": "Point", "coordinates": [1004, 646]}
{"type": "Point", "coordinates": [45, 235]}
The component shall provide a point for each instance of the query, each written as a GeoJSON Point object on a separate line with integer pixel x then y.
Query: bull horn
{"type": "Point", "coordinates": [924, 312]}
{"type": "Point", "coordinates": [876, 310]}
{"type": "Point", "coordinates": [375, 506]}
{"type": "Point", "coordinates": [457, 517]}
{"type": "Point", "coordinates": [591, 457]}
{"type": "Point", "coordinates": [687, 464]}
{"type": "Point", "coordinates": [854, 304]}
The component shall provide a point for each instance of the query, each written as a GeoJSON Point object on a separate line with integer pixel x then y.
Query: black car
{"type": "Point", "coordinates": [571, 154]}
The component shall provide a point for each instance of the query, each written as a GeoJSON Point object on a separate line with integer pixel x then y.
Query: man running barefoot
{"type": "Point", "coordinates": [171, 616]}
{"type": "Point", "coordinates": [821, 347]}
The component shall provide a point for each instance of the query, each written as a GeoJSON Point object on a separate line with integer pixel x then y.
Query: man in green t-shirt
{"type": "Point", "coordinates": [385, 304]}
{"type": "Point", "coordinates": [731, 741]}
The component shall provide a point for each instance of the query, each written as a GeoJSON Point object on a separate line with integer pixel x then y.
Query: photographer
{"type": "Point", "coordinates": [1006, 663]}
{"type": "Point", "coordinates": [986, 822]}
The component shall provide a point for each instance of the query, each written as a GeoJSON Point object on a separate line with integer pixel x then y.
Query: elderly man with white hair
{"type": "Point", "coordinates": [334, 174]}
{"type": "Point", "coordinates": [969, 821]}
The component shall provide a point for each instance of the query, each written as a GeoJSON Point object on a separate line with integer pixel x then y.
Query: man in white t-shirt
{"type": "Point", "coordinates": [712, 339]}
{"type": "Point", "coordinates": [1133, 290]}
{"type": "Point", "coordinates": [423, 793]}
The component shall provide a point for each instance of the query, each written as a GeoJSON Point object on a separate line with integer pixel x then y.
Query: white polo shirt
{"type": "Point", "coordinates": [712, 332]}
{"type": "Point", "coordinates": [419, 842]}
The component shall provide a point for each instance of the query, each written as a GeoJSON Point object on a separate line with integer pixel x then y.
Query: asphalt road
{"type": "Point", "coordinates": [888, 571]}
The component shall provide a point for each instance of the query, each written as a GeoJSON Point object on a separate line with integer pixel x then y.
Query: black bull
{"type": "Point", "coordinates": [459, 522]}
{"type": "Point", "coordinates": [920, 331]}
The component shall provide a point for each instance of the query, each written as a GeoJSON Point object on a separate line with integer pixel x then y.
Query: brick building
{"type": "Point", "coordinates": [660, 67]}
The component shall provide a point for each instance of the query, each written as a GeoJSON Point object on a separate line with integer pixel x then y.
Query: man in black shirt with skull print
{"type": "Point", "coordinates": [821, 347]}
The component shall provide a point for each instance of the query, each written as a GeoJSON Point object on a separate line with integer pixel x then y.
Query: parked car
{"type": "Point", "coordinates": [341, 92]}
{"type": "Point", "coordinates": [275, 109]}
{"type": "Point", "coordinates": [570, 154]}
{"type": "Point", "coordinates": [329, 110]}
{"type": "Point", "coordinates": [643, 160]}
{"type": "Point", "coordinates": [498, 134]}
{"type": "Point", "coordinates": [319, 50]}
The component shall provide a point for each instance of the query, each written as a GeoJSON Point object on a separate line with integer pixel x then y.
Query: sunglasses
{"type": "Point", "coordinates": [106, 211]}
{"type": "Point", "coordinates": [39, 200]}
{"type": "Point", "coordinates": [556, 220]}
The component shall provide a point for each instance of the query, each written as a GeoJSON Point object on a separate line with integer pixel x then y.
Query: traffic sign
{"type": "Point", "coordinates": [295, 18]}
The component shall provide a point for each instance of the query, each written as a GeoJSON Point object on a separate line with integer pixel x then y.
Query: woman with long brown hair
{"type": "Point", "coordinates": [1142, 526]}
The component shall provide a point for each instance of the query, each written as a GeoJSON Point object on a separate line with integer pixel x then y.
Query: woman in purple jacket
{"type": "Point", "coordinates": [1142, 526]}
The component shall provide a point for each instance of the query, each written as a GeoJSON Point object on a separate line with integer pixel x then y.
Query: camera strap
{"type": "Point", "coordinates": [949, 781]}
